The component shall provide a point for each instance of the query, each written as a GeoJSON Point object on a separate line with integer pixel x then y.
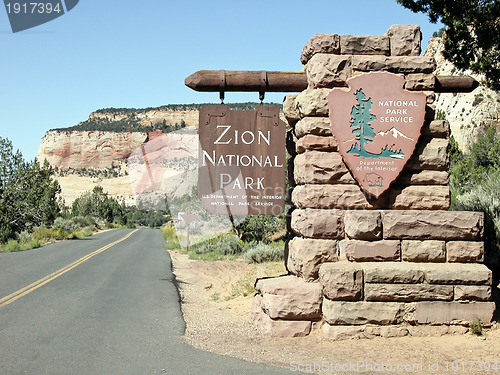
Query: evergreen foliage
{"type": "Point", "coordinates": [468, 170]}
{"type": "Point", "coordinates": [136, 217]}
{"type": "Point", "coordinates": [472, 33]}
{"type": "Point", "coordinates": [98, 204]}
{"type": "Point", "coordinates": [28, 193]}
{"type": "Point", "coordinates": [475, 186]}
{"type": "Point", "coordinates": [260, 227]}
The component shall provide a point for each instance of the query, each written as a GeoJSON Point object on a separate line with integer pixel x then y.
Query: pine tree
{"type": "Point", "coordinates": [28, 193]}
{"type": "Point", "coordinates": [360, 121]}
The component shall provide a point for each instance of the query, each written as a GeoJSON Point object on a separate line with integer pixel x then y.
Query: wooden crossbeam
{"type": "Point", "coordinates": [253, 81]}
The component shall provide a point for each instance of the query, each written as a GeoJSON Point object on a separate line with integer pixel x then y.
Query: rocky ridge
{"type": "Point", "coordinates": [467, 113]}
{"type": "Point", "coordinates": [84, 157]}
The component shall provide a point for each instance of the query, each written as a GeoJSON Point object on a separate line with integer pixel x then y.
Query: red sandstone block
{"type": "Point", "coordinates": [370, 251]}
{"type": "Point", "coordinates": [465, 251]}
{"type": "Point", "coordinates": [446, 312]}
{"type": "Point", "coordinates": [426, 225]}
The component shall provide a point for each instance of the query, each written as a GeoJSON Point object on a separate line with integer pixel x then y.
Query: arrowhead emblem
{"type": "Point", "coordinates": [377, 124]}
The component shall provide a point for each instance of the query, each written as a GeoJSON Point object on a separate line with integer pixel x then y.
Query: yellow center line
{"type": "Point", "coordinates": [37, 284]}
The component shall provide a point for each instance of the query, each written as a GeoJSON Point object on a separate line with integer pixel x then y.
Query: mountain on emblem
{"type": "Point", "coordinates": [377, 125]}
{"type": "Point", "coordinates": [395, 133]}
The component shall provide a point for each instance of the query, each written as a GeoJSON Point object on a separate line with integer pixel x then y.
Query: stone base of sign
{"type": "Point", "coordinates": [289, 298]}
{"type": "Point", "coordinates": [398, 265]}
{"type": "Point", "coordinates": [368, 331]}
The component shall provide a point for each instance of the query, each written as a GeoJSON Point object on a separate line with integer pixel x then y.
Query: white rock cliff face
{"type": "Point", "coordinates": [88, 149]}
{"type": "Point", "coordinates": [85, 159]}
{"type": "Point", "coordinates": [467, 113]}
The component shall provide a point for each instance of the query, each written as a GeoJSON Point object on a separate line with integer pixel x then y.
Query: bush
{"type": "Point", "coordinates": [25, 236]}
{"type": "Point", "coordinates": [258, 228]}
{"type": "Point", "coordinates": [146, 218]}
{"type": "Point", "coordinates": [474, 184]}
{"type": "Point", "coordinates": [477, 327]}
{"type": "Point", "coordinates": [485, 197]}
{"type": "Point", "coordinates": [49, 234]}
{"type": "Point", "coordinates": [261, 252]}
{"type": "Point", "coordinates": [67, 225]}
{"type": "Point", "coordinates": [81, 233]}
{"type": "Point", "coordinates": [33, 244]}
{"type": "Point", "coordinates": [77, 224]}
{"type": "Point", "coordinates": [11, 246]}
{"type": "Point", "coordinates": [172, 242]}
{"type": "Point", "coordinates": [226, 244]}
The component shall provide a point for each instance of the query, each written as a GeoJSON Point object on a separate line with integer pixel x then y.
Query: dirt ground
{"type": "Point", "coordinates": [219, 322]}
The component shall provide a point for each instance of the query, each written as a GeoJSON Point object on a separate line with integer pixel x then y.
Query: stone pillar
{"type": "Point", "coordinates": [362, 267]}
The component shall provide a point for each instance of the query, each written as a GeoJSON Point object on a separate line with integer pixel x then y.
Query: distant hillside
{"type": "Point", "coordinates": [146, 119]}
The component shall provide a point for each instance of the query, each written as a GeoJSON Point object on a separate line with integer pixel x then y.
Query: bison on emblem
{"type": "Point", "coordinates": [374, 179]}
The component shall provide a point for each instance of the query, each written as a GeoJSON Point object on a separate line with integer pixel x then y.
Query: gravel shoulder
{"type": "Point", "coordinates": [218, 322]}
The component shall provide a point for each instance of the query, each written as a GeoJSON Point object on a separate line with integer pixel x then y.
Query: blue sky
{"type": "Point", "coordinates": [125, 53]}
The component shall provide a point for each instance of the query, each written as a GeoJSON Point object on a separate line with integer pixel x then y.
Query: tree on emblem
{"type": "Point", "coordinates": [361, 117]}
{"type": "Point", "coordinates": [360, 121]}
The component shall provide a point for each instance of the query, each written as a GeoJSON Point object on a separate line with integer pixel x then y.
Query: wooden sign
{"type": "Point", "coordinates": [241, 161]}
{"type": "Point", "coordinates": [377, 125]}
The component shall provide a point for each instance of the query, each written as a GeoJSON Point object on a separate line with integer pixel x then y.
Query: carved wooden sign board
{"type": "Point", "coordinates": [377, 125]}
{"type": "Point", "coordinates": [241, 161]}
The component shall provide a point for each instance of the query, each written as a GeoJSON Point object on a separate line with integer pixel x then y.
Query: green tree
{"type": "Point", "coordinates": [474, 185]}
{"type": "Point", "coordinates": [472, 33]}
{"type": "Point", "coordinates": [99, 204]}
{"type": "Point", "coordinates": [360, 121]}
{"type": "Point", "coordinates": [28, 193]}
{"type": "Point", "coordinates": [472, 168]}
{"type": "Point", "coordinates": [10, 162]}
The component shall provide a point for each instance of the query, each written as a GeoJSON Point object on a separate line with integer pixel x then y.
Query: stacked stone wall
{"type": "Point", "coordinates": [364, 267]}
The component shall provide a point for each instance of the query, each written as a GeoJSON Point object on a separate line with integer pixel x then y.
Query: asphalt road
{"type": "Point", "coordinates": [92, 311]}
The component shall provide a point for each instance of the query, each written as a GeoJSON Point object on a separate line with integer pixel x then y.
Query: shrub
{"type": "Point", "coordinates": [77, 224]}
{"type": "Point", "coordinates": [25, 236]}
{"type": "Point", "coordinates": [258, 228]}
{"type": "Point", "coordinates": [226, 244]}
{"type": "Point", "coordinates": [485, 197]}
{"type": "Point", "coordinates": [172, 242]}
{"type": "Point", "coordinates": [49, 234]}
{"type": "Point", "coordinates": [261, 252]}
{"type": "Point", "coordinates": [11, 246]}
{"type": "Point", "coordinates": [474, 182]}
{"type": "Point", "coordinates": [477, 327]}
{"type": "Point", "coordinates": [33, 244]}
{"type": "Point", "coordinates": [243, 287]}
{"type": "Point", "coordinates": [81, 233]}
{"type": "Point", "coordinates": [85, 221]}
{"type": "Point", "coordinates": [67, 225]}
